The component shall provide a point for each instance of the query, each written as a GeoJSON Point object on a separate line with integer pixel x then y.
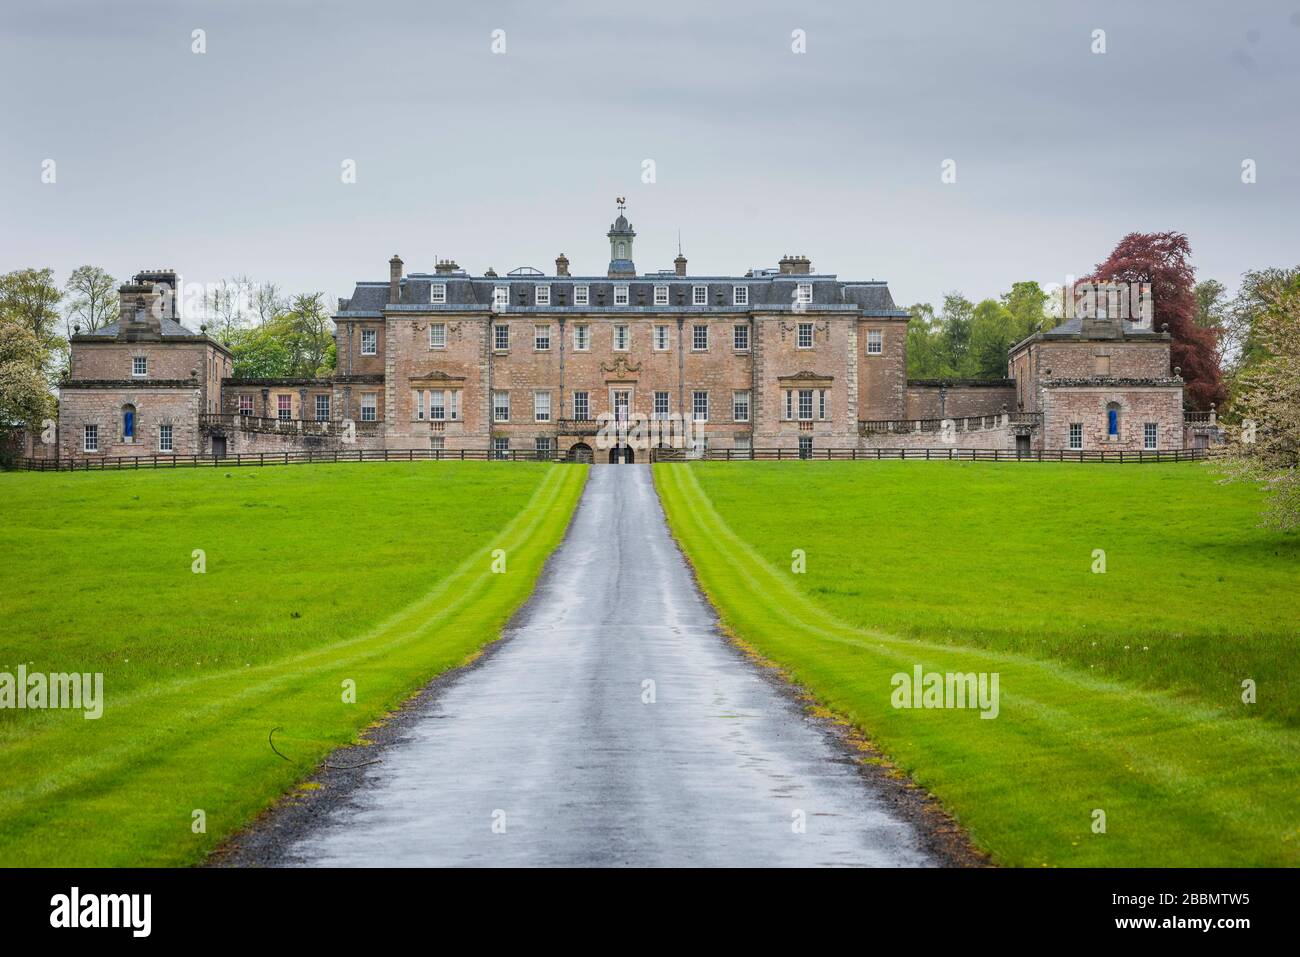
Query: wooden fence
{"type": "Point", "coordinates": [118, 463]}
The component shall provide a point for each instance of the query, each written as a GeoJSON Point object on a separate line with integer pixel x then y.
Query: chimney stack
{"type": "Point", "coordinates": [679, 264]}
{"type": "Point", "coordinates": [445, 267]}
{"type": "Point", "coordinates": [561, 265]}
{"type": "Point", "coordinates": [795, 265]}
{"type": "Point", "coordinates": [394, 279]}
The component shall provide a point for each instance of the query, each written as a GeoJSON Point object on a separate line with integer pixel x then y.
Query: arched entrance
{"type": "Point", "coordinates": [581, 452]}
{"type": "Point", "coordinates": [621, 454]}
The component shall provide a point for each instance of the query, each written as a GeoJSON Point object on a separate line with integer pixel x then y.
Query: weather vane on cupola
{"type": "Point", "coordinates": [622, 203]}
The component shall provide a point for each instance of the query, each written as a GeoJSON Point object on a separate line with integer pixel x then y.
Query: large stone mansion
{"type": "Point", "coordinates": [777, 358]}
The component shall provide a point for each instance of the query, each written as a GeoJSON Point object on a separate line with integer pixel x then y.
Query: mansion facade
{"type": "Point", "coordinates": [532, 362]}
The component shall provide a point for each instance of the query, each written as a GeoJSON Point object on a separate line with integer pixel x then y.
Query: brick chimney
{"type": "Point", "coordinates": [679, 265]}
{"type": "Point", "coordinates": [445, 267]}
{"type": "Point", "coordinates": [561, 265]}
{"type": "Point", "coordinates": [394, 279]}
{"type": "Point", "coordinates": [795, 265]}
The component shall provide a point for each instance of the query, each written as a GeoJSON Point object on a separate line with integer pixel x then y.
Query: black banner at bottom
{"type": "Point", "coordinates": [334, 907]}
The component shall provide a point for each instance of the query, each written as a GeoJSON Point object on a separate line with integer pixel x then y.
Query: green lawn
{"type": "Point", "coordinates": [379, 574]}
{"type": "Point", "coordinates": [1119, 691]}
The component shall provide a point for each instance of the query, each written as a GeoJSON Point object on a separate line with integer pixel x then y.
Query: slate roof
{"type": "Point", "coordinates": [170, 328]}
{"type": "Point", "coordinates": [872, 298]}
{"type": "Point", "coordinates": [1074, 327]}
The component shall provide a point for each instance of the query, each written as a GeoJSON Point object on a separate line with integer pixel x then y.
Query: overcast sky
{"type": "Point", "coordinates": [230, 161]}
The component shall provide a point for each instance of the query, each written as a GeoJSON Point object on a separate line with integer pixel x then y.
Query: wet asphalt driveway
{"type": "Point", "coordinates": [550, 752]}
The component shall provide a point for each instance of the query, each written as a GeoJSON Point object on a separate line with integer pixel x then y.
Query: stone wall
{"type": "Point", "coordinates": [1087, 404]}
{"type": "Point", "coordinates": [103, 407]}
{"type": "Point", "coordinates": [934, 399]}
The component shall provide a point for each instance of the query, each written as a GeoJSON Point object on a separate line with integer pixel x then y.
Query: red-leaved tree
{"type": "Point", "coordinates": [1162, 260]}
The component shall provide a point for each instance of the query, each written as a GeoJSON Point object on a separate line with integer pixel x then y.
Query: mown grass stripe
{"type": "Point", "coordinates": [1181, 783]}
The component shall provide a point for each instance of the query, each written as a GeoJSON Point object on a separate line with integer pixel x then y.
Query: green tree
{"type": "Point", "coordinates": [92, 299]}
{"type": "Point", "coordinates": [30, 296]}
{"type": "Point", "coordinates": [1259, 288]}
{"type": "Point", "coordinates": [1265, 448]}
{"type": "Point", "coordinates": [310, 333]}
{"type": "Point", "coordinates": [923, 348]}
{"type": "Point", "coordinates": [992, 333]}
{"type": "Point", "coordinates": [954, 334]}
{"type": "Point", "coordinates": [1028, 305]}
{"type": "Point", "coordinates": [25, 396]}
{"type": "Point", "coordinates": [259, 354]}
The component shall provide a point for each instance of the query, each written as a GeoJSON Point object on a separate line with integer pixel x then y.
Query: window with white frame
{"type": "Point", "coordinates": [1076, 435]}
{"type": "Point", "coordinates": [581, 295]}
{"type": "Point", "coordinates": [544, 445]}
{"type": "Point", "coordinates": [369, 342]}
{"type": "Point", "coordinates": [803, 292]}
{"type": "Point", "coordinates": [805, 340]}
{"type": "Point", "coordinates": [284, 407]}
{"type": "Point", "coordinates": [620, 295]}
{"type": "Point", "coordinates": [740, 338]}
{"type": "Point", "coordinates": [246, 405]}
{"type": "Point", "coordinates": [419, 404]}
{"type": "Point", "coordinates": [90, 438]}
{"type": "Point", "coordinates": [875, 342]}
{"type": "Point", "coordinates": [437, 335]}
{"type": "Point", "coordinates": [501, 448]}
{"type": "Point", "coordinates": [582, 406]}
{"type": "Point", "coordinates": [661, 338]}
{"type": "Point", "coordinates": [437, 405]}
{"type": "Point", "coordinates": [581, 337]}
{"type": "Point", "coordinates": [139, 366]}
{"type": "Point", "coordinates": [661, 405]}
{"type": "Point", "coordinates": [805, 404]}
{"type": "Point", "coordinates": [1149, 435]}
{"type": "Point", "coordinates": [501, 336]}
{"type": "Point", "coordinates": [542, 294]}
{"type": "Point", "coordinates": [164, 438]}
{"type": "Point", "coordinates": [369, 406]}
{"type": "Point", "coordinates": [699, 295]}
{"type": "Point", "coordinates": [823, 404]}
{"type": "Point", "coordinates": [500, 296]}
{"type": "Point", "coordinates": [700, 406]}
{"type": "Point", "coordinates": [500, 406]}
{"type": "Point", "coordinates": [437, 292]}
{"type": "Point", "coordinates": [437, 442]}
{"type": "Point", "coordinates": [740, 295]}
{"type": "Point", "coordinates": [789, 404]}
{"type": "Point", "coordinates": [661, 295]}
{"type": "Point", "coordinates": [454, 395]}
{"type": "Point", "coordinates": [740, 406]}
{"type": "Point", "coordinates": [622, 338]}
{"type": "Point", "coordinates": [699, 338]}
{"type": "Point", "coordinates": [805, 446]}
{"type": "Point", "coordinates": [541, 407]}
{"type": "Point", "coordinates": [322, 407]}
{"type": "Point", "coordinates": [542, 338]}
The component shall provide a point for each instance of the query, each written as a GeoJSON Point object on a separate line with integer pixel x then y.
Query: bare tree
{"type": "Point", "coordinates": [269, 302]}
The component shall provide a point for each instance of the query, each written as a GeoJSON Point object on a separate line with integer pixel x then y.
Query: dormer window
{"type": "Point", "coordinates": [740, 295]}
{"type": "Point", "coordinates": [581, 295]}
{"type": "Point", "coordinates": [543, 295]}
{"type": "Point", "coordinates": [700, 295]}
{"type": "Point", "coordinates": [620, 295]}
{"type": "Point", "coordinates": [661, 295]}
{"type": "Point", "coordinates": [438, 293]}
{"type": "Point", "coordinates": [803, 292]}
